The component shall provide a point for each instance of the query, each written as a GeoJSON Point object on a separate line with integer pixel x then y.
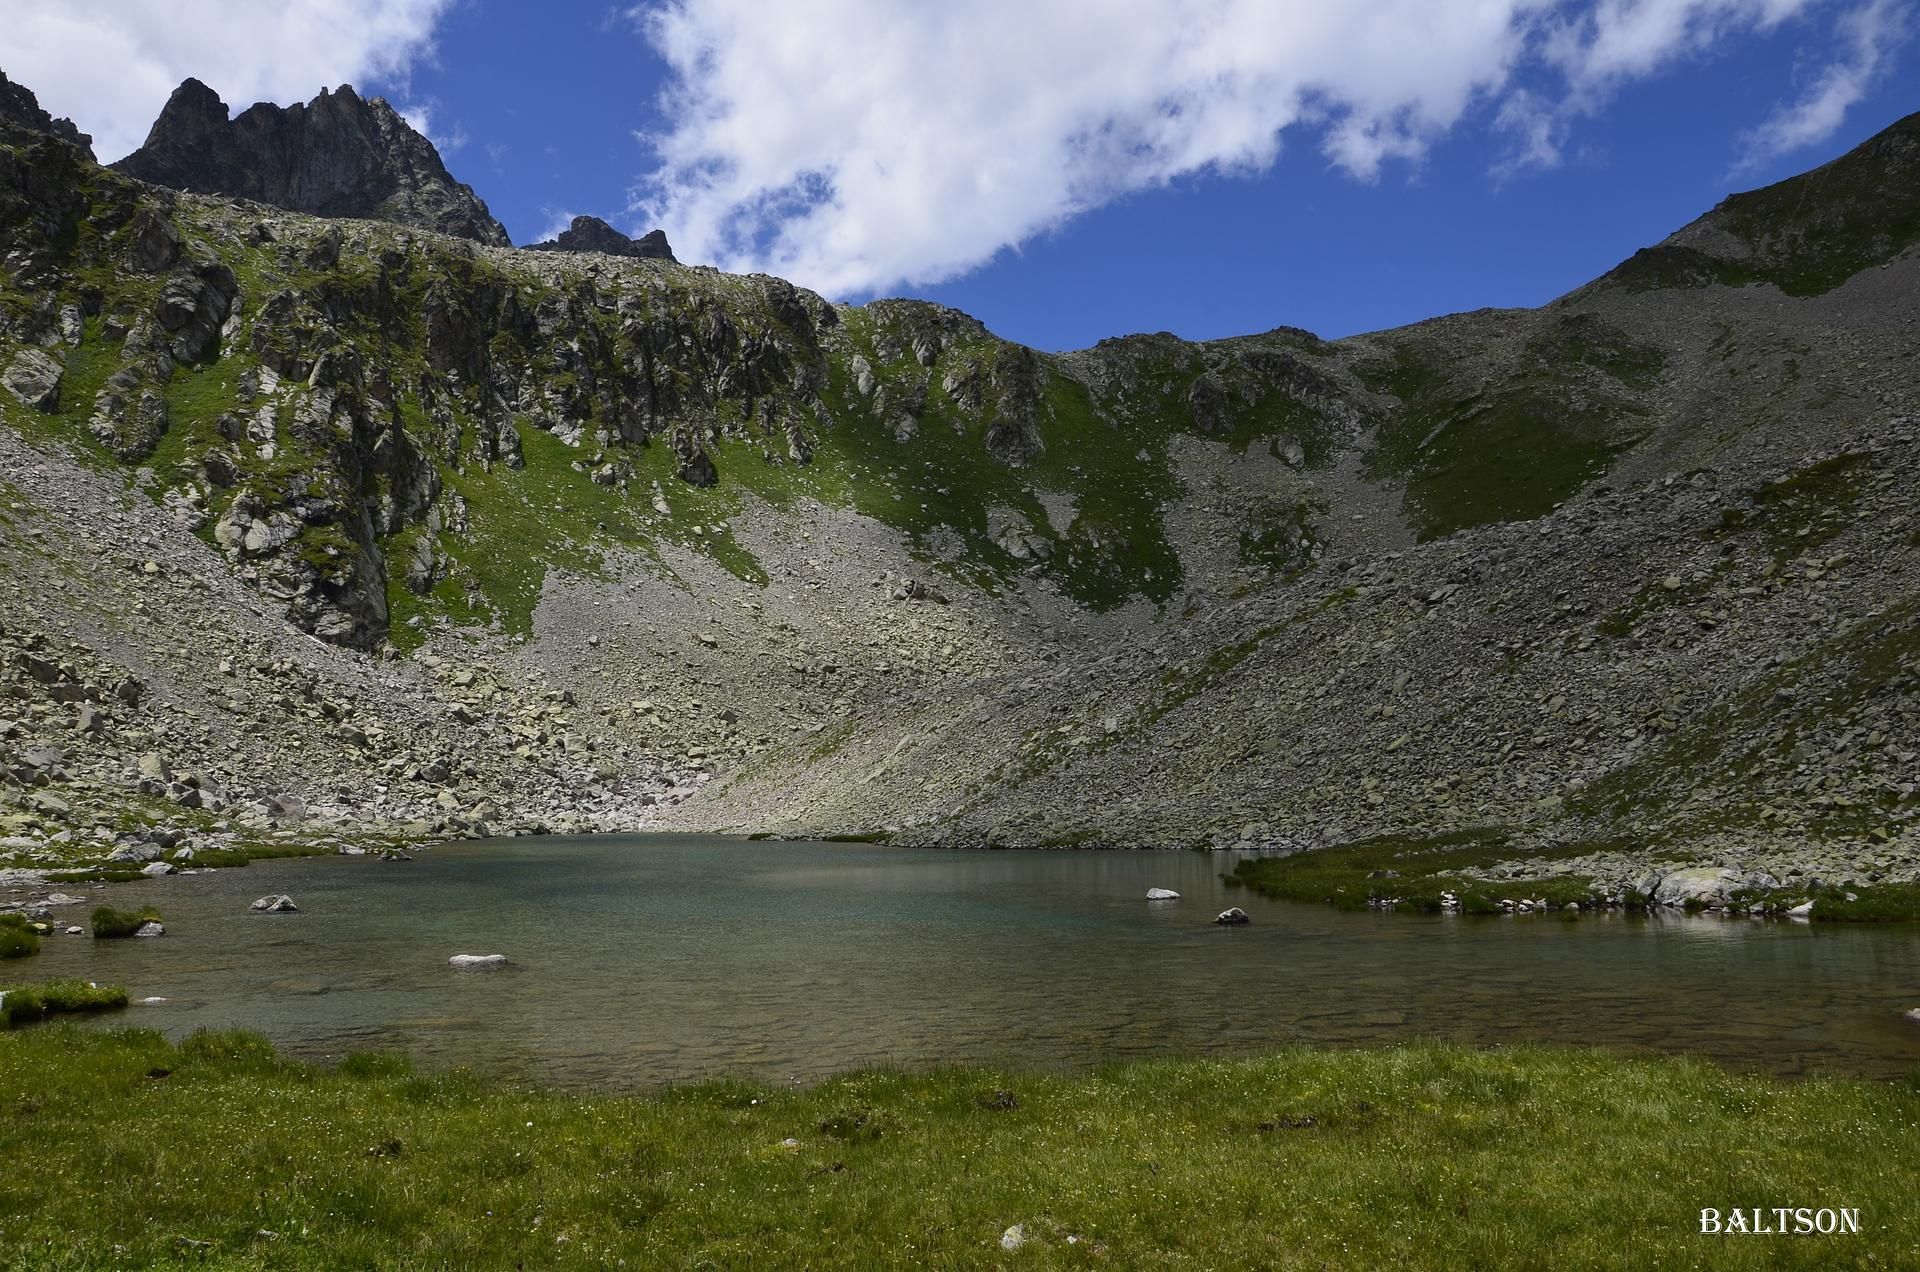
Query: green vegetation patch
{"type": "Point", "coordinates": [23, 1004]}
{"type": "Point", "coordinates": [111, 924]}
{"type": "Point", "coordinates": [1412, 873]}
{"type": "Point", "coordinates": [1422, 1157]}
{"type": "Point", "coordinates": [1867, 903]}
{"type": "Point", "coordinates": [1513, 449]}
{"type": "Point", "coordinates": [17, 937]}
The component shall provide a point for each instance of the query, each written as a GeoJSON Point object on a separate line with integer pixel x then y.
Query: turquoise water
{"type": "Point", "coordinates": [637, 960]}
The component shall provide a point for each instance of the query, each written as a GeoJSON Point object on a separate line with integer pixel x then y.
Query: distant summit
{"type": "Point", "coordinates": [1806, 235]}
{"type": "Point", "coordinates": [20, 108]}
{"type": "Point", "coordinates": [337, 155]}
{"type": "Point", "coordinates": [591, 234]}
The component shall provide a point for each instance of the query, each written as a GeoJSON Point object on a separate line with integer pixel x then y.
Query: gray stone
{"type": "Point", "coordinates": [1162, 894]}
{"type": "Point", "coordinates": [150, 930]}
{"type": "Point", "coordinates": [1707, 884]}
{"type": "Point", "coordinates": [477, 962]}
{"type": "Point", "coordinates": [277, 904]}
{"type": "Point", "coordinates": [34, 378]}
{"type": "Point", "coordinates": [1232, 917]}
{"type": "Point", "coordinates": [154, 869]}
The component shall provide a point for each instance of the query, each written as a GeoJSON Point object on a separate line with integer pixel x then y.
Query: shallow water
{"type": "Point", "coordinates": [638, 960]}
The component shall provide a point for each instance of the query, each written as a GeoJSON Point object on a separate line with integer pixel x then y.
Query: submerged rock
{"type": "Point", "coordinates": [476, 961]}
{"type": "Point", "coordinates": [150, 929]}
{"type": "Point", "coordinates": [1233, 917]}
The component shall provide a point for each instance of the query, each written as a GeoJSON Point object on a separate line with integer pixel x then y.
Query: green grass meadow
{"type": "Point", "coordinates": [123, 1150]}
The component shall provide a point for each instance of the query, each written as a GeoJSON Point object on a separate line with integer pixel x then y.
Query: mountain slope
{"type": "Point", "coordinates": [591, 539]}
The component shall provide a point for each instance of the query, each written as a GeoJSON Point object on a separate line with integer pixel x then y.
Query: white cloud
{"type": "Point", "coordinates": [558, 223]}
{"type": "Point", "coordinates": [419, 117]}
{"type": "Point", "coordinates": [111, 64]}
{"type": "Point", "coordinates": [857, 145]}
{"type": "Point", "coordinates": [1868, 35]}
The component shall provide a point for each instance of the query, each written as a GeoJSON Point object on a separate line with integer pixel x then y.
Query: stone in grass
{"type": "Point", "coordinates": [1233, 917]}
{"type": "Point", "coordinates": [155, 869]}
{"type": "Point", "coordinates": [1013, 1238]}
{"type": "Point", "coordinates": [1162, 894]}
{"type": "Point", "coordinates": [477, 961]}
{"type": "Point", "coordinates": [279, 904]}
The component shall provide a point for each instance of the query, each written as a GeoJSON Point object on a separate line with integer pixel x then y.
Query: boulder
{"type": "Point", "coordinates": [476, 962]}
{"type": "Point", "coordinates": [1709, 885]}
{"type": "Point", "coordinates": [154, 869]}
{"type": "Point", "coordinates": [277, 904]}
{"type": "Point", "coordinates": [1232, 917]}
{"type": "Point", "coordinates": [34, 378]}
{"type": "Point", "coordinates": [1162, 894]}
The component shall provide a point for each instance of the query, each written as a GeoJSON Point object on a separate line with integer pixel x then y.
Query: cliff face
{"type": "Point", "coordinates": [335, 156]}
{"type": "Point", "coordinates": [667, 546]}
{"type": "Point", "coordinates": [19, 108]}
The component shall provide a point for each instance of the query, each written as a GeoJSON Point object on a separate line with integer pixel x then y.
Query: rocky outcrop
{"type": "Point", "coordinates": [591, 234]}
{"type": "Point", "coordinates": [19, 108]}
{"type": "Point", "coordinates": [338, 155]}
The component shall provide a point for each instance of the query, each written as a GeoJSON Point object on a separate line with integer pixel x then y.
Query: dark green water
{"type": "Point", "coordinates": [639, 960]}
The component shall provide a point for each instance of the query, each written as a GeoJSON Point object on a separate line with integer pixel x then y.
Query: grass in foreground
{"type": "Point", "coordinates": [133, 1152]}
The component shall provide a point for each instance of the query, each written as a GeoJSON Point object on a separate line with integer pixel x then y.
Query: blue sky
{"type": "Point", "coordinates": [1460, 166]}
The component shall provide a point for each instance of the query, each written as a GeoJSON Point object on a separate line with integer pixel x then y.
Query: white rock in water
{"type": "Point", "coordinates": [1233, 917]}
{"type": "Point", "coordinates": [277, 904]}
{"type": "Point", "coordinates": [477, 960]}
{"type": "Point", "coordinates": [153, 1002]}
{"type": "Point", "coordinates": [1801, 911]}
{"type": "Point", "coordinates": [1162, 894]}
{"type": "Point", "coordinates": [150, 929]}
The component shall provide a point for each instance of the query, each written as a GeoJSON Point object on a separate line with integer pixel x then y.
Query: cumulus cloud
{"type": "Point", "coordinates": [111, 64]}
{"type": "Point", "coordinates": [857, 145]}
{"type": "Point", "coordinates": [1868, 36]}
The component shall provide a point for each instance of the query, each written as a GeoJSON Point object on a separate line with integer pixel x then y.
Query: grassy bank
{"type": "Point", "coordinates": [127, 1151]}
{"type": "Point", "coordinates": [25, 1004]}
{"type": "Point", "coordinates": [1444, 872]}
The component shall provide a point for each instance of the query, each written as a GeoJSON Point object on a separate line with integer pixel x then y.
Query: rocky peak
{"type": "Point", "coordinates": [591, 234]}
{"type": "Point", "coordinates": [21, 109]}
{"type": "Point", "coordinates": [337, 155]}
